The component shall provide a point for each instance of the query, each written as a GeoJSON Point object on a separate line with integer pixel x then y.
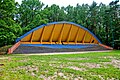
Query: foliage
{"type": "Point", "coordinates": [9, 30]}
{"type": "Point", "coordinates": [28, 10]}
{"type": "Point", "coordinates": [103, 20]}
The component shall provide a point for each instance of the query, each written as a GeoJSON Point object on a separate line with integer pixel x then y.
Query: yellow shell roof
{"type": "Point", "coordinates": [59, 33]}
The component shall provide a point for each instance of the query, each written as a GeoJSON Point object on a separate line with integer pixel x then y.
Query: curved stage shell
{"type": "Point", "coordinates": [53, 34]}
{"type": "Point", "coordinates": [59, 33]}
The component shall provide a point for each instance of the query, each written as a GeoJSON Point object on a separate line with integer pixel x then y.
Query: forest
{"type": "Point", "coordinates": [16, 19]}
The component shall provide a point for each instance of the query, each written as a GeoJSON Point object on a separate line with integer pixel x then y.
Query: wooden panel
{"type": "Point", "coordinates": [27, 38]}
{"type": "Point", "coordinates": [87, 37]}
{"type": "Point", "coordinates": [93, 40]}
{"type": "Point", "coordinates": [37, 35]}
{"type": "Point", "coordinates": [47, 33]}
{"type": "Point", "coordinates": [65, 32]}
{"type": "Point", "coordinates": [96, 42]}
{"type": "Point", "coordinates": [80, 35]}
{"type": "Point", "coordinates": [73, 33]}
{"type": "Point", "coordinates": [57, 31]}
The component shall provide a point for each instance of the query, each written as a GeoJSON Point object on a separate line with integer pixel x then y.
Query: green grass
{"type": "Point", "coordinates": [90, 66]}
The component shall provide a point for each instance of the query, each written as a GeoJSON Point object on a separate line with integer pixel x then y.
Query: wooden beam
{"type": "Point", "coordinates": [61, 33]}
{"type": "Point", "coordinates": [52, 32]}
{"type": "Point", "coordinates": [42, 34]}
{"type": "Point", "coordinates": [76, 37]}
{"type": "Point", "coordinates": [32, 37]}
{"type": "Point", "coordinates": [91, 39]}
{"type": "Point", "coordinates": [83, 39]}
{"type": "Point", "coordinates": [69, 34]}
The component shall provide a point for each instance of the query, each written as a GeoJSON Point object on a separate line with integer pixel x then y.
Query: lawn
{"type": "Point", "coordinates": [87, 66]}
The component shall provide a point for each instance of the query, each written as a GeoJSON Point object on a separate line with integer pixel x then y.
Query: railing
{"type": "Point", "coordinates": [106, 46]}
{"type": "Point", "coordinates": [10, 50]}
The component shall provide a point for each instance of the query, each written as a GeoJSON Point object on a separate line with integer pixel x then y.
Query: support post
{"type": "Point", "coordinates": [91, 39]}
{"type": "Point", "coordinates": [61, 33]}
{"type": "Point", "coordinates": [42, 34]}
{"type": "Point", "coordinates": [69, 34]}
{"type": "Point", "coordinates": [76, 37]}
{"type": "Point", "coordinates": [83, 39]}
{"type": "Point", "coordinates": [51, 37]}
{"type": "Point", "coordinates": [32, 37]}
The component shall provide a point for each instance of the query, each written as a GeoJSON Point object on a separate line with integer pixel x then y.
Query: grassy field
{"type": "Point", "coordinates": [89, 66]}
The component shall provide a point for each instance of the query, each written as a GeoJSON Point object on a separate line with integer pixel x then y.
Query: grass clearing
{"type": "Point", "coordinates": [90, 66]}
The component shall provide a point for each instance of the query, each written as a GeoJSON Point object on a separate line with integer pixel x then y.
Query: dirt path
{"type": "Point", "coordinates": [66, 53]}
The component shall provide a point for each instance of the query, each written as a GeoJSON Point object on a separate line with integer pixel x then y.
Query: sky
{"type": "Point", "coordinates": [70, 2]}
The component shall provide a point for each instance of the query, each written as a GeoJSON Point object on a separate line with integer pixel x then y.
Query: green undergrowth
{"type": "Point", "coordinates": [4, 49]}
{"type": "Point", "coordinates": [90, 66]}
